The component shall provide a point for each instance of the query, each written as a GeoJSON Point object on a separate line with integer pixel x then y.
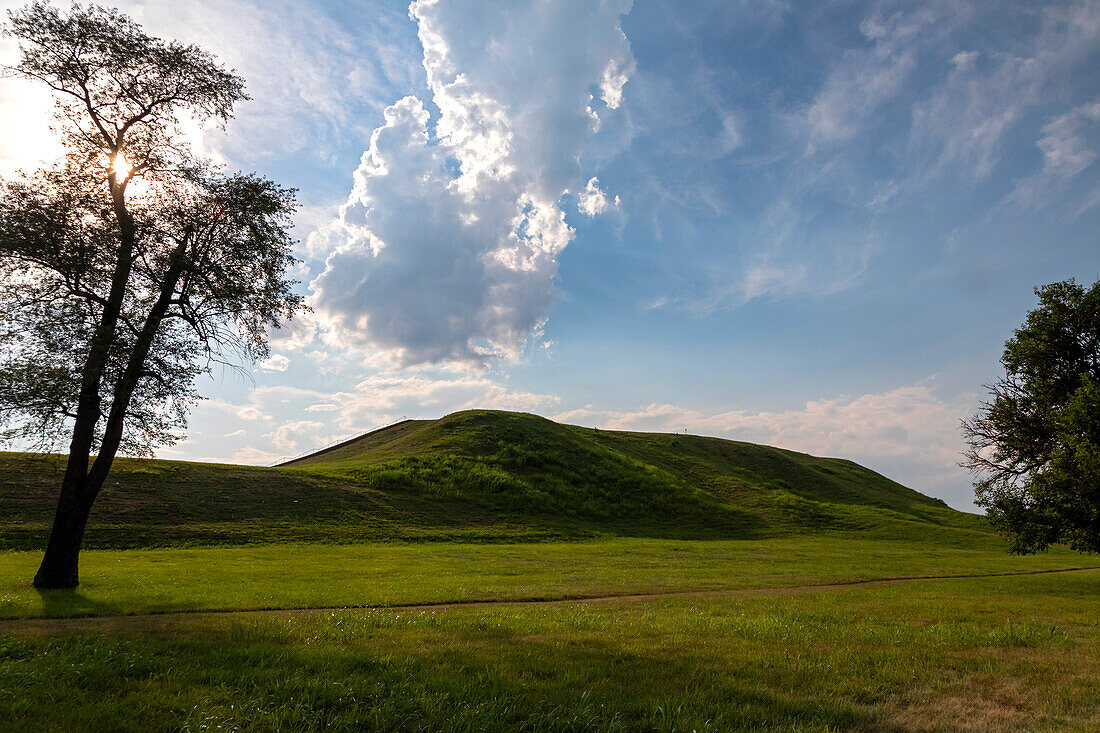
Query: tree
{"type": "Point", "coordinates": [1036, 443]}
{"type": "Point", "coordinates": [129, 267]}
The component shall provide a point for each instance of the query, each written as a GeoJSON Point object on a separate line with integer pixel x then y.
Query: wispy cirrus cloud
{"type": "Point", "coordinates": [897, 112]}
{"type": "Point", "coordinates": [1069, 144]}
{"type": "Point", "coordinates": [863, 79]}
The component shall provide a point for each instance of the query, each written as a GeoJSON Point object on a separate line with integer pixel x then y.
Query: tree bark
{"type": "Point", "coordinates": [135, 364]}
{"type": "Point", "coordinates": [59, 568]}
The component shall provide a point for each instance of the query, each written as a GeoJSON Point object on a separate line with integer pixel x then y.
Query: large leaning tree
{"type": "Point", "coordinates": [1035, 444]}
{"type": "Point", "coordinates": [131, 266]}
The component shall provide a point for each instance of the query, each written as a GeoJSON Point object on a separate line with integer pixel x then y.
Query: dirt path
{"type": "Point", "coordinates": [166, 619]}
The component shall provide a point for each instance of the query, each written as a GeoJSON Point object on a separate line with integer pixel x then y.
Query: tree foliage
{"type": "Point", "coordinates": [131, 266]}
{"type": "Point", "coordinates": [1035, 445]}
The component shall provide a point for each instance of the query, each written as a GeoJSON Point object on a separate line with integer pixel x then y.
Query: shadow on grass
{"type": "Point", "coordinates": [325, 675]}
{"type": "Point", "coordinates": [71, 602]}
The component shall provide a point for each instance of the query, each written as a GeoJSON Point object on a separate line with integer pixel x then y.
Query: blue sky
{"type": "Point", "coordinates": [806, 224]}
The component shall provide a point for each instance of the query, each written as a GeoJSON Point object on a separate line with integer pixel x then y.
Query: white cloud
{"type": "Point", "coordinates": [795, 264]}
{"type": "Point", "coordinates": [250, 455]}
{"type": "Point", "coordinates": [731, 137]}
{"type": "Point", "coordinates": [592, 200]}
{"type": "Point", "coordinates": [1066, 152]}
{"type": "Point", "coordinates": [866, 78]}
{"type": "Point", "coordinates": [615, 76]}
{"type": "Point", "coordinates": [248, 412]}
{"type": "Point", "coordinates": [764, 278]}
{"type": "Point", "coordinates": [962, 103]}
{"type": "Point", "coordinates": [274, 363]}
{"type": "Point", "coordinates": [447, 247]}
{"type": "Point", "coordinates": [965, 60]}
{"type": "Point", "coordinates": [905, 114]}
{"type": "Point", "coordinates": [1068, 146]}
{"type": "Point", "coordinates": [959, 127]}
{"type": "Point", "coordinates": [288, 435]}
{"type": "Point", "coordinates": [382, 398]}
{"type": "Point", "coordinates": [251, 413]}
{"type": "Point", "coordinates": [296, 419]}
{"type": "Point", "coordinates": [663, 301]}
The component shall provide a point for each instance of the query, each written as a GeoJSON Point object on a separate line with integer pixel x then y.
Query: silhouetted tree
{"type": "Point", "coordinates": [129, 267]}
{"type": "Point", "coordinates": [1036, 443]}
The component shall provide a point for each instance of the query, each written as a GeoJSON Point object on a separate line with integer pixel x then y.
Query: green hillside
{"type": "Point", "coordinates": [487, 475]}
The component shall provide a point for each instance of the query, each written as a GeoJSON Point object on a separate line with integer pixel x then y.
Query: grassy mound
{"type": "Point", "coordinates": [487, 475]}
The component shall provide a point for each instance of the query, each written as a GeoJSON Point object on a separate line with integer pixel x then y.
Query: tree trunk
{"type": "Point", "coordinates": [59, 567]}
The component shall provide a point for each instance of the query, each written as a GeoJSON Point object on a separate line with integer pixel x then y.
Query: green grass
{"type": "Point", "coordinates": [294, 576]}
{"type": "Point", "coordinates": [990, 654]}
{"type": "Point", "coordinates": [155, 503]}
{"type": "Point", "coordinates": [519, 462]}
{"type": "Point", "coordinates": [480, 476]}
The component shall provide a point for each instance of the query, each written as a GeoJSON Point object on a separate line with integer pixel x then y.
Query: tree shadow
{"type": "Point", "coordinates": [493, 679]}
{"type": "Point", "coordinates": [377, 672]}
{"type": "Point", "coordinates": [70, 602]}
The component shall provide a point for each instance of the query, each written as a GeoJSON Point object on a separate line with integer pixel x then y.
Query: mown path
{"type": "Point", "coordinates": [108, 622]}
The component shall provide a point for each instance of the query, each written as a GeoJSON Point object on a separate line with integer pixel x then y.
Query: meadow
{"type": "Point", "coordinates": [407, 589]}
{"type": "Point", "coordinates": [676, 635]}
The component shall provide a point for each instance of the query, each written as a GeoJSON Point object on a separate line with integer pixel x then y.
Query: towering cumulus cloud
{"type": "Point", "coordinates": [447, 246]}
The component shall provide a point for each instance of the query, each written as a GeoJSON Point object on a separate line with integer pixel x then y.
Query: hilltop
{"type": "Point", "coordinates": [487, 475]}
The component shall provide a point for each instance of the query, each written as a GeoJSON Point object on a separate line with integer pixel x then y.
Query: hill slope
{"type": "Point", "coordinates": [488, 475]}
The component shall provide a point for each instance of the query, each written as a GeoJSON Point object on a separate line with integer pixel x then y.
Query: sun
{"type": "Point", "coordinates": [121, 167]}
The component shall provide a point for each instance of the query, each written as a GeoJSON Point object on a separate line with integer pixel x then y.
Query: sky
{"type": "Point", "coordinates": [811, 225]}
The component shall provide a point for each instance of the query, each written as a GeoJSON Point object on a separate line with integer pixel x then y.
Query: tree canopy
{"type": "Point", "coordinates": [130, 266]}
{"type": "Point", "coordinates": [1035, 445]}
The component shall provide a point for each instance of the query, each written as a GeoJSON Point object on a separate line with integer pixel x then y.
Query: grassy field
{"type": "Point", "coordinates": [772, 652]}
{"type": "Point", "coordinates": [297, 576]}
{"type": "Point", "coordinates": [494, 571]}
